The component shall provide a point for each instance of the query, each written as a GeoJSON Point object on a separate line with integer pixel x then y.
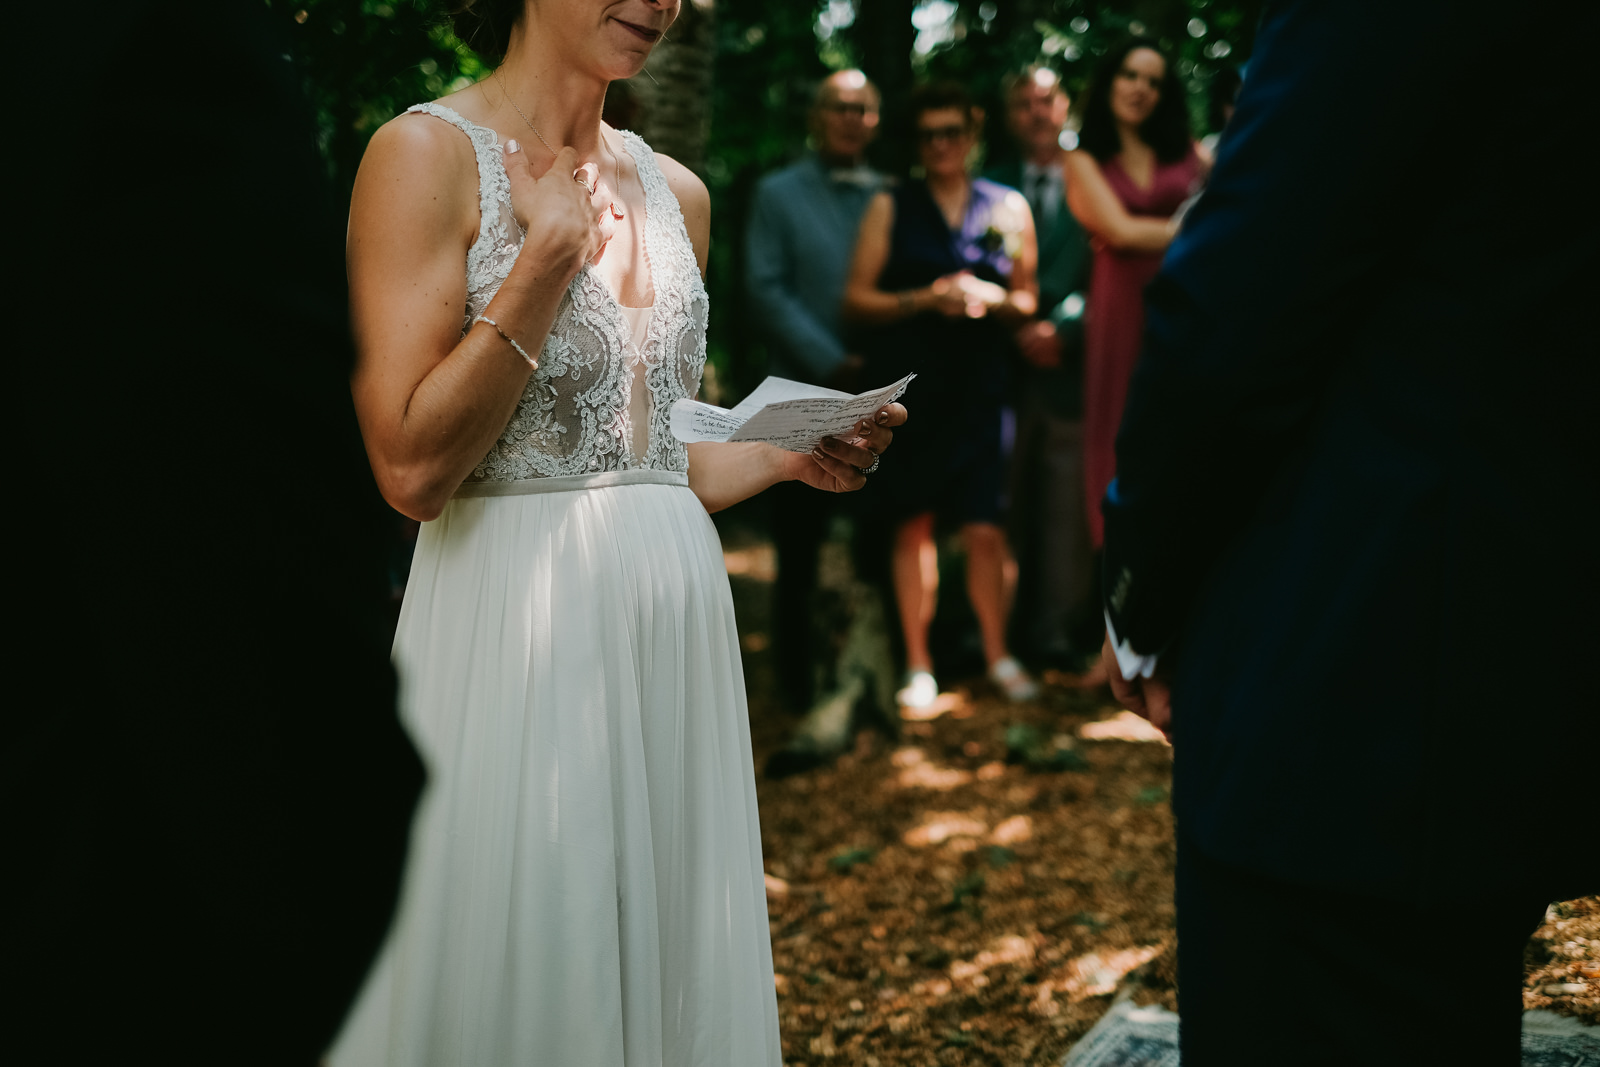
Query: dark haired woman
{"type": "Point", "coordinates": [944, 268]}
{"type": "Point", "coordinates": [1134, 165]}
{"type": "Point", "coordinates": [585, 882]}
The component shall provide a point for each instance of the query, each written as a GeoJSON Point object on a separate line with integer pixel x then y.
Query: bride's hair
{"type": "Point", "coordinates": [484, 25]}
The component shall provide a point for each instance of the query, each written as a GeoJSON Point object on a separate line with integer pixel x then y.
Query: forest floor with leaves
{"type": "Point", "coordinates": [981, 889]}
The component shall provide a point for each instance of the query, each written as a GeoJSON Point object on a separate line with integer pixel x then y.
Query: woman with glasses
{"type": "Point", "coordinates": [1134, 165]}
{"type": "Point", "coordinates": [942, 274]}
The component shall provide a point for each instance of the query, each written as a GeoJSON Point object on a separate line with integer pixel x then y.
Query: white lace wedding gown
{"type": "Point", "coordinates": [584, 886]}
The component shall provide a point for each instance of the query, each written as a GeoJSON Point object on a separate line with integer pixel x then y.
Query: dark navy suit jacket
{"type": "Point", "coordinates": [1355, 504]}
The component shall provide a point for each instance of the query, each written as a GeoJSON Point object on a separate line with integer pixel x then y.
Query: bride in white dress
{"type": "Point", "coordinates": [585, 882]}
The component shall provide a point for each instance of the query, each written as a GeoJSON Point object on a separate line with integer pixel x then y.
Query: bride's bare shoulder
{"type": "Point", "coordinates": [421, 160]}
{"type": "Point", "coordinates": [685, 184]}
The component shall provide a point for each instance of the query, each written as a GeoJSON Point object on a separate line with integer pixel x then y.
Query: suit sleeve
{"type": "Point", "coordinates": [769, 281]}
{"type": "Point", "coordinates": [1317, 186]}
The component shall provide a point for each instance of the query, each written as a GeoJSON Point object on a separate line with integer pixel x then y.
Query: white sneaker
{"type": "Point", "coordinates": [1013, 679]}
{"type": "Point", "coordinates": [920, 690]}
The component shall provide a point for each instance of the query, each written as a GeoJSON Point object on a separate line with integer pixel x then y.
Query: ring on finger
{"type": "Point", "coordinates": [587, 176]}
{"type": "Point", "coordinates": [876, 459]}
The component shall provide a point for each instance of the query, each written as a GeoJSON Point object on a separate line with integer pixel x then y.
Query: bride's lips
{"type": "Point", "coordinates": [644, 33]}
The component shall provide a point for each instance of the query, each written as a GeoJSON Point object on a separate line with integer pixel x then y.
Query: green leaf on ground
{"type": "Point", "coordinates": [846, 860]}
{"type": "Point", "coordinates": [1000, 856]}
{"type": "Point", "coordinates": [963, 892]}
{"type": "Point", "coordinates": [1027, 745]}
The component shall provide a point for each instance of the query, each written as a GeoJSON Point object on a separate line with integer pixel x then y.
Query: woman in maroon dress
{"type": "Point", "coordinates": [1134, 165]}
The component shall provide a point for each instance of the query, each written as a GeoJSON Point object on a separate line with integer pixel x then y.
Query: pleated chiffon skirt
{"type": "Point", "coordinates": [585, 882]}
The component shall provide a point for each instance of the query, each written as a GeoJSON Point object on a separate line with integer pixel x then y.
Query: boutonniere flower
{"type": "Point", "coordinates": [1005, 227]}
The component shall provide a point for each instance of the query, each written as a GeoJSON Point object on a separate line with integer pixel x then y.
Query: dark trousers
{"type": "Point", "coordinates": [800, 517]}
{"type": "Point", "coordinates": [1050, 537]}
{"type": "Point", "coordinates": [1272, 973]}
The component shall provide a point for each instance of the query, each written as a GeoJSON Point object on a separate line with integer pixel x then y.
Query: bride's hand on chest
{"type": "Point", "coordinates": [567, 224]}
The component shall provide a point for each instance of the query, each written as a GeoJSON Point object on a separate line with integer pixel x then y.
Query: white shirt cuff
{"type": "Point", "coordinates": [1132, 664]}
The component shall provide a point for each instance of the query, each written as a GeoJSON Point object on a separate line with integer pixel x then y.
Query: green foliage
{"type": "Point", "coordinates": [767, 64]}
{"type": "Point", "coordinates": [1028, 746]}
{"type": "Point", "coordinates": [365, 61]}
{"type": "Point", "coordinates": [844, 861]}
{"type": "Point", "coordinates": [957, 1038]}
{"type": "Point", "coordinates": [1070, 36]}
{"type": "Point", "coordinates": [1151, 794]}
{"type": "Point", "coordinates": [1083, 918]}
{"type": "Point", "coordinates": [964, 893]}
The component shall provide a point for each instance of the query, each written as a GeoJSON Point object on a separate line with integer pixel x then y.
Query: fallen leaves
{"type": "Point", "coordinates": [1016, 829]}
{"type": "Point", "coordinates": [941, 826]}
{"type": "Point", "coordinates": [1096, 974]}
{"type": "Point", "coordinates": [933, 903]}
{"type": "Point", "coordinates": [941, 904]}
{"type": "Point", "coordinates": [1564, 961]}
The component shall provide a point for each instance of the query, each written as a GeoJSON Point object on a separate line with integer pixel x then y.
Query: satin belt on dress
{"type": "Point", "coordinates": [572, 483]}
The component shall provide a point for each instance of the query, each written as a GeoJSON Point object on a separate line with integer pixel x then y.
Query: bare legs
{"type": "Point", "coordinates": [991, 579]}
{"type": "Point", "coordinates": [916, 586]}
{"type": "Point", "coordinates": [991, 582]}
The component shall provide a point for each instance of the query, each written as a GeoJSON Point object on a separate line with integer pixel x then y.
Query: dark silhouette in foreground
{"type": "Point", "coordinates": [209, 802]}
{"type": "Point", "coordinates": [1354, 514]}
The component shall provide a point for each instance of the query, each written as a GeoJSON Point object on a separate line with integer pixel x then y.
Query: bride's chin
{"type": "Point", "coordinates": [626, 66]}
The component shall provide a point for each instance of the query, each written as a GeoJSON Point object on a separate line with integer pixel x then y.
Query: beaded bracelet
{"type": "Point", "coordinates": [512, 341]}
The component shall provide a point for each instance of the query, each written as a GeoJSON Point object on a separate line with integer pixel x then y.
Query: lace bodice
{"type": "Point", "coordinates": [580, 409]}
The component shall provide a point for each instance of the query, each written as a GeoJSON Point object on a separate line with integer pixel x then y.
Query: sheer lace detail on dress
{"type": "Point", "coordinates": [580, 408]}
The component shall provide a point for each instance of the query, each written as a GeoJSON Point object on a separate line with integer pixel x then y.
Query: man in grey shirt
{"type": "Point", "coordinates": [802, 232]}
{"type": "Point", "coordinates": [799, 242]}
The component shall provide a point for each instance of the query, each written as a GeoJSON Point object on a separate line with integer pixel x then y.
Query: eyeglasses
{"type": "Point", "coordinates": [928, 135]}
{"type": "Point", "coordinates": [838, 107]}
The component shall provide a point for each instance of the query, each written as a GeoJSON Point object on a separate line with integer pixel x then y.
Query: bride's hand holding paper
{"type": "Point", "coordinates": [790, 415]}
{"type": "Point", "coordinates": [838, 465]}
{"type": "Point", "coordinates": [822, 437]}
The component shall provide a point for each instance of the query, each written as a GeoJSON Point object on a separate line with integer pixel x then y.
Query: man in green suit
{"type": "Point", "coordinates": [1048, 526]}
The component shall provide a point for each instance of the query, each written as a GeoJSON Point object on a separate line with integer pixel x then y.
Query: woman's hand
{"type": "Point", "coordinates": [982, 297]}
{"type": "Point", "coordinates": [566, 224]}
{"type": "Point", "coordinates": [837, 465]}
{"type": "Point", "coordinates": [950, 295]}
{"type": "Point", "coordinates": [963, 296]}
{"type": "Point", "coordinates": [726, 472]}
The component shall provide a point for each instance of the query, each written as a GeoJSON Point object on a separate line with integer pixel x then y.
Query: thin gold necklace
{"type": "Point", "coordinates": [615, 159]}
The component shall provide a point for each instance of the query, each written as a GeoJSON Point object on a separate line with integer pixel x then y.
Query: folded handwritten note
{"type": "Point", "coordinates": [791, 415]}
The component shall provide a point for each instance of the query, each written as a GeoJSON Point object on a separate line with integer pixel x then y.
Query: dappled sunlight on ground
{"type": "Point", "coordinates": [956, 702]}
{"type": "Point", "coordinates": [1123, 726]}
{"type": "Point", "coordinates": [980, 889]}
{"type": "Point", "coordinates": [952, 898]}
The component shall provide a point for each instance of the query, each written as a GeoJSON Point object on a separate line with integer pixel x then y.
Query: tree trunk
{"type": "Point", "coordinates": [673, 94]}
{"type": "Point", "coordinates": [884, 35]}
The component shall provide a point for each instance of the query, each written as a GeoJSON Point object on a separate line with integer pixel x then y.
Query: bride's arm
{"type": "Point", "coordinates": [721, 475]}
{"type": "Point", "coordinates": [431, 402]}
